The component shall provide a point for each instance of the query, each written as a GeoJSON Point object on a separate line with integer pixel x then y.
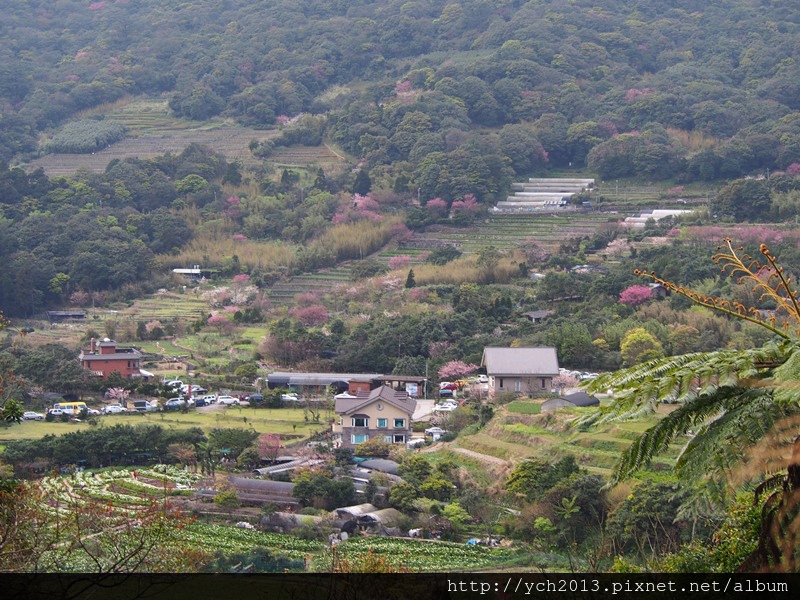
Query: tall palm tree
{"type": "Point", "coordinates": [727, 400]}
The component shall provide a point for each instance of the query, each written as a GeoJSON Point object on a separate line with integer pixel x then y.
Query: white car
{"type": "Point", "coordinates": [435, 431]}
{"type": "Point", "coordinates": [228, 400]}
{"type": "Point", "coordinates": [446, 406]}
{"type": "Point", "coordinates": [32, 416]}
{"type": "Point", "coordinates": [290, 397]}
{"type": "Point", "coordinates": [483, 379]}
{"type": "Point", "coordinates": [114, 409]}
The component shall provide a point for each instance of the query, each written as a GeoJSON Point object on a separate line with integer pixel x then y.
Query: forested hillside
{"type": "Point", "coordinates": [435, 107]}
{"type": "Point", "coordinates": [699, 91]}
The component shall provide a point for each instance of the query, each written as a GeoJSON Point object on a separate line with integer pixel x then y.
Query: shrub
{"type": "Point", "coordinates": [227, 499]}
{"type": "Point", "coordinates": [85, 136]}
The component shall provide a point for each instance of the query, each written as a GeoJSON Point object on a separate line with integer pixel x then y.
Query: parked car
{"type": "Point", "coordinates": [435, 431]}
{"type": "Point", "coordinates": [114, 409]}
{"type": "Point", "coordinates": [196, 389]}
{"type": "Point", "coordinates": [175, 384]}
{"type": "Point", "coordinates": [290, 397]}
{"type": "Point", "coordinates": [227, 400]}
{"type": "Point", "coordinates": [446, 406]}
{"type": "Point", "coordinates": [145, 406]}
{"type": "Point", "coordinates": [200, 402]}
{"type": "Point", "coordinates": [92, 412]}
{"type": "Point", "coordinates": [32, 416]}
{"type": "Point", "coordinates": [483, 379]}
{"type": "Point", "coordinates": [448, 385]}
{"type": "Point", "coordinates": [174, 404]}
{"type": "Point", "coordinates": [255, 398]}
{"type": "Point", "coordinates": [446, 393]}
{"type": "Point", "coordinates": [56, 412]}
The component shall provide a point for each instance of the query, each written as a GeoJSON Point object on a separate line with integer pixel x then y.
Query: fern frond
{"type": "Point", "coordinates": [655, 440]}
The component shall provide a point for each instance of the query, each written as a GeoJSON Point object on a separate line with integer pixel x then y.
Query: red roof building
{"type": "Point", "coordinates": [104, 357]}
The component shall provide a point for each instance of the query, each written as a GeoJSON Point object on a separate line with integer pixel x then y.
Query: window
{"type": "Point", "coordinates": [544, 382]}
{"type": "Point", "coordinates": [383, 423]}
{"type": "Point", "coordinates": [501, 382]}
{"type": "Point", "coordinates": [399, 439]}
{"type": "Point", "coordinates": [387, 438]}
{"type": "Point", "coordinates": [399, 423]}
{"type": "Point", "coordinates": [360, 421]}
{"type": "Point", "coordinates": [357, 439]}
{"type": "Point", "coordinates": [517, 386]}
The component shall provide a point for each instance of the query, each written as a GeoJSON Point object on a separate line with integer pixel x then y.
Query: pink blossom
{"type": "Point", "coordinates": [399, 262]}
{"type": "Point", "coordinates": [231, 309]}
{"type": "Point", "coordinates": [241, 277]}
{"type": "Point", "coordinates": [282, 119]}
{"type": "Point", "coordinates": [418, 294]}
{"type": "Point", "coordinates": [635, 295]}
{"type": "Point", "coordinates": [239, 237]}
{"type": "Point", "coordinates": [232, 201]}
{"type": "Point", "coordinates": [306, 299]}
{"type": "Point", "coordinates": [400, 232]}
{"type": "Point", "coordinates": [632, 94]}
{"type": "Point", "coordinates": [216, 320]}
{"type": "Point", "coordinates": [97, 5]}
{"type": "Point", "coordinates": [403, 87]}
{"type": "Point", "coordinates": [340, 217]}
{"type": "Point", "coordinates": [81, 54]}
{"type": "Point", "coordinates": [468, 205]}
{"type": "Point", "coordinates": [437, 205]}
{"type": "Point", "coordinates": [364, 202]}
{"type": "Point", "coordinates": [149, 327]}
{"type": "Point", "coordinates": [455, 369]}
{"type": "Point", "coordinates": [793, 169]}
{"type": "Point", "coordinates": [310, 316]}
{"type": "Point", "coordinates": [372, 216]}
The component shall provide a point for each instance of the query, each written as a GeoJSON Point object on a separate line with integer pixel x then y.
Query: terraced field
{"type": "Point", "coordinates": [514, 436]}
{"type": "Point", "coordinates": [321, 282]}
{"type": "Point", "coordinates": [510, 231]}
{"type": "Point", "coordinates": [153, 130]}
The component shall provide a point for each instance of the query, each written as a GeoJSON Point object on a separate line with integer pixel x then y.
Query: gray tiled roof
{"type": "Point", "coordinates": [520, 361]}
{"type": "Point", "coordinates": [400, 399]}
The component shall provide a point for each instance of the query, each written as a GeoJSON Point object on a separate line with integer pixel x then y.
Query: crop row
{"type": "Point", "coordinates": [424, 556]}
{"type": "Point", "coordinates": [233, 539]}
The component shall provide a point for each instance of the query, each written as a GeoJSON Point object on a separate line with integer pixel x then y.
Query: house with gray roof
{"type": "Point", "coordinates": [383, 413]}
{"type": "Point", "coordinates": [520, 370]}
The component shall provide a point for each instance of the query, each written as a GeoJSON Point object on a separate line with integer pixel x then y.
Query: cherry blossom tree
{"type": "Point", "coordinates": [310, 316]}
{"type": "Point", "coordinates": [635, 295]}
{"type": "Point", "coordinates": [456, 369]}
{"type": "Point", "coordinates": [269, 445]}
{"type": "Point", "coordinates": [564, 380]}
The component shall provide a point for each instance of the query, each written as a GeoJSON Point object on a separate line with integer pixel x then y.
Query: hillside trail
{"type": "Point", "coordinates": [476, 455]}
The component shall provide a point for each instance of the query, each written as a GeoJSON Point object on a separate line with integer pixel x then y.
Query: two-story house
{"type": "Point", "coordinates": [520, 370]}
{"type": "Point", "coordinates": [104, 357]}
{"type": "Point", "coordinates": [383, 413]}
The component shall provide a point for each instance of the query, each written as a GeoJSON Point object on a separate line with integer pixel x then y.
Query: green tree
{"type": "Point", "coordinates": [639, 345]}
{"type": "Point", "coordinates": [410, 283]}
{"type": "Point", "coordinates": [402, 496]}
{"type": "Point", "coordinates": [728, 399]}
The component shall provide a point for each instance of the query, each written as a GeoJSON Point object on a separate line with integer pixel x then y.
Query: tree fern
{"type": "Point", "coordinates": [727, 399]}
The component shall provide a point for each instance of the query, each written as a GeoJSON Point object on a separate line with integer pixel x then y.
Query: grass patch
{"type": "Point", "coordinates": [281, 421]}
{"type": "Point", "coordinates": [524, 407]}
